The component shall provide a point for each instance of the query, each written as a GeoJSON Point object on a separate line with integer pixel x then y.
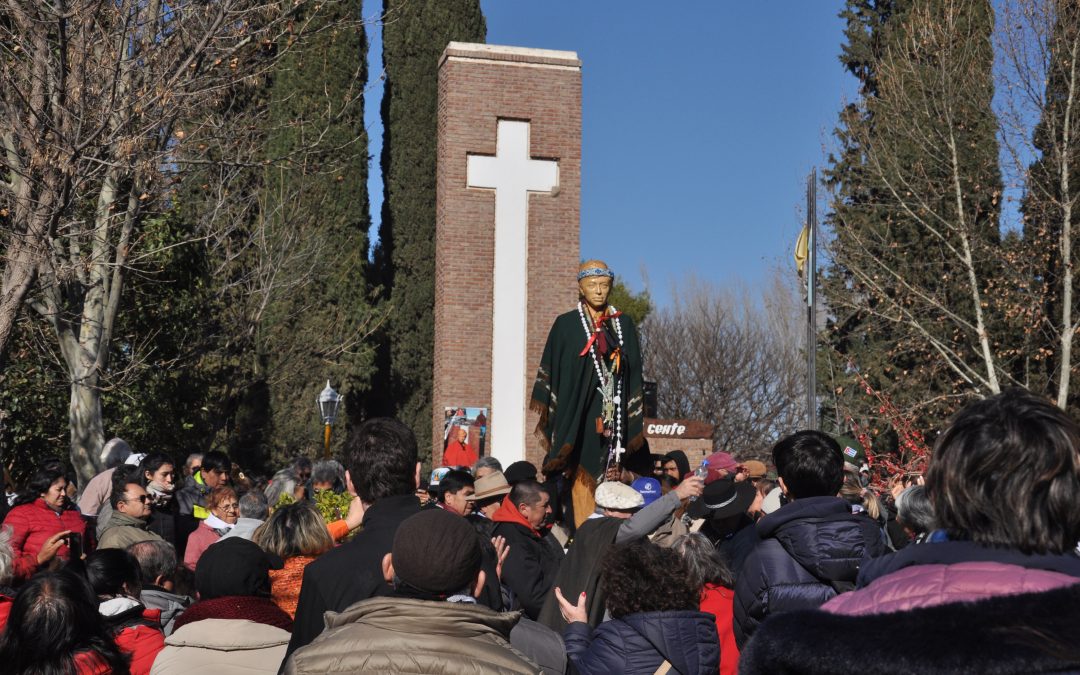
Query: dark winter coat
{"type": "Point", "coordinates": [351, 572]}
{"type": "Point", "coordinates": [491, 595]}
{"type": "Point", "coordinates": [531, 564]}
{"type": "Point", "coordinates": [580, 572]}
{"type": "Point", "coordinates": [637, 644]}
{"type": "Point", "coordinates": [809, 551]}
{"type": "Point", "coordinates": [1027, 633]}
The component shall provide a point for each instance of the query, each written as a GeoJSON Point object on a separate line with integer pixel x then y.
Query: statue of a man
{"type": "Point", "coordinates": [588, 389]}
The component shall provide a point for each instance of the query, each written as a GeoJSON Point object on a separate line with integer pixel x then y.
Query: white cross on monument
{"type": "Point", "coordinates": [513, 175]}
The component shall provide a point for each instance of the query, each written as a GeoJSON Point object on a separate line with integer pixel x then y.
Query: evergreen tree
{"type": "Point", "coordinates": [415, 34]}
{"type": "Point", "coordinates": [316, 205]}
{"type": "Point", "coordinates": [1050, 213]}
{"type": "Point", "coordinates": [915, 254]}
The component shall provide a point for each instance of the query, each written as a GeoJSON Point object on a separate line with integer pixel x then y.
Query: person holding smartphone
{"type": "Point", "coordinates": [44, 523]}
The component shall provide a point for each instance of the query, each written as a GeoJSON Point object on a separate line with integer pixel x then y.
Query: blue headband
{"type": "Point", "coordinates": [595, 272]}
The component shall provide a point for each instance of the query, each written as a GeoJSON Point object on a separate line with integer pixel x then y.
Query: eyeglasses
{"type": "Point", "coordinates": [230, 507]}
{"type": "Point", "coordinates": [141, 498]}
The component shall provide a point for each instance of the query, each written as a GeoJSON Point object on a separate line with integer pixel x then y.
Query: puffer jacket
{"type": "Point", "coordinates": [928, 575]}
{"type": "Point", "coordinates": [637, 644]}
{"type": "Point", "coordinates": [222, 647]}
{"type": "Point", "coordinates": [809, 551]}
{"type": "Point", "coordinates": [123, 530]}
{"type": "Point", "coordinates": [531, 565]}
{"type": "Point", "coordinates": [192, 495]}
{"type": "Point", "coordinates": [1008, 634]}
{"type": "Point", "coordinates": [32, 524]}
{"type": "Point", "coordinates": [402, 635]}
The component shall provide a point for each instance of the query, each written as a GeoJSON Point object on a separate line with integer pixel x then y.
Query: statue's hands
{"type": "Point", "coordinates": [690, 487]}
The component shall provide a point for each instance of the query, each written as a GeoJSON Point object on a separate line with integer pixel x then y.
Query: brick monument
{"type": "Point", "coordinates": [506, 231]}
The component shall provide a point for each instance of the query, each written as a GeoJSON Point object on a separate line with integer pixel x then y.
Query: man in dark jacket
{"type": "Point", "coordinates": [433, 624]}
{"type": "Point", "coordinates": [531, 564]}
{"type": "Point", "coordinates": [811, 548]}
{"type": "Point", "coordinates": [382, 468]}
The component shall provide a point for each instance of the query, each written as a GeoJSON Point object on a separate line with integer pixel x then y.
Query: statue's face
{"type": "Point", "coordinates": [595, 291]}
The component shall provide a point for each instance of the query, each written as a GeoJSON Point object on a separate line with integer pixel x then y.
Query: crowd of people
{"type": "Point", "coordinates": [799, 565]}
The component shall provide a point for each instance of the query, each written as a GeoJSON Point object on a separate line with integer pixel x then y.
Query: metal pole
{"type": "Point", "coordinates": [811, 302]}
{"type": "Point", "coordinates": [326, 441]}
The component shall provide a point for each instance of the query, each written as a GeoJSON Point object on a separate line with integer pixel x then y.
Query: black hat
{"type": "Point", "coordinates": [436, 552]}
{"type": "Point", "coordinates": [723, 498]}
{"type": "Point", "coordinates": [234, 566]}
{"type": "Point", "coordinates": [519, 471]}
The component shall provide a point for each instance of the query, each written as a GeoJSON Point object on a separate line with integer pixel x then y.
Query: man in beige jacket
{"type": "Point", "coordinates": [131, 514]}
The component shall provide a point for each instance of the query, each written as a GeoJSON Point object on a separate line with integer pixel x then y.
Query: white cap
{"type": "Point", "coordinates": [618, 496]}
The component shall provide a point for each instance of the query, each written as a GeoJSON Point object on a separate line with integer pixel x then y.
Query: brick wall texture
{"type": "Point", "coordinates": [479, 85]}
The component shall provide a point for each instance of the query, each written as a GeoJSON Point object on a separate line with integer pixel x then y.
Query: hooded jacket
{"type": "Point", "coordinates": [1025, 633]}
{"type": "Point", "coordinates": [136, 631]}
{"type": "Point", "coordinates": [222, 647]}
{"type": "Point", "coordinates": [169, 604]}
{"type": "Point", "coordinates": [531, 565]}
{"type": "Point", "coordinates": [123, 530]}
{"type": "Point", "coordinates": [809, 550]}
{"type": "Point", "coordinates": [638, 644]}
{"type": "Point", "coordinates": [401, 635]}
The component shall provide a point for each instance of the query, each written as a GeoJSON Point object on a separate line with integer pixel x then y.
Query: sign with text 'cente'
{"type": "Point", "coordinates": [655, 428]}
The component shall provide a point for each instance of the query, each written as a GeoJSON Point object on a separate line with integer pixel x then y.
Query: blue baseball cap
{"type": "Point", "coordinates": [648, 488]}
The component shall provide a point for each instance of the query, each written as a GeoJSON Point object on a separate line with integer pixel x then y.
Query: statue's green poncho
{"type": "Point", "coordinates": [566, 395]}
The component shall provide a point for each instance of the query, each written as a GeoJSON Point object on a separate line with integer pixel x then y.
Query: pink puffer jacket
{"type": "Point", "coordinates": [931, 585]}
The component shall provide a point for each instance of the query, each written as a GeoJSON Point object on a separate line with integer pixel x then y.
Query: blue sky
{"type": "Point", "coordinates": [701, 122]}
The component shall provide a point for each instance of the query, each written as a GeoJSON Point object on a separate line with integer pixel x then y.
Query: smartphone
{"type": "Point", "coordinates": [74, 542]}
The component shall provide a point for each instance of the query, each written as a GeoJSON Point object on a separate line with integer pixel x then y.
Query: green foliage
{"type": "Point", "coordinates": [634, 305]}
{"type": "Point", "coordinates": [315, 205]}
{"type": "Point", "coordinates": [414, 36]}
{"type": "Point", "coordinates": [906, 208]}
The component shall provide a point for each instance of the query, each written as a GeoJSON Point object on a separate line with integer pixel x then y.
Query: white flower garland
{"type": "Point", "coordinates": [600, 370]}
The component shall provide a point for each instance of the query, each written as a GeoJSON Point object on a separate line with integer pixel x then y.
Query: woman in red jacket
{"type": "Point", "coordinates": [710, 573]}
{"type": "Point", "coordinates": [224, 512]}
{"type": "Point", "coordinates": [44, 524]}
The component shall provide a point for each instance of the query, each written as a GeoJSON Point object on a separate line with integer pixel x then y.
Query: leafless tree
{"type": "Point", "coordinates": [104, 107]}
{"type": "Point", "coordinates": [731, 358]}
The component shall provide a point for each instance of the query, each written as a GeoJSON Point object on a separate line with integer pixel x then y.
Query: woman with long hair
{"type": "Point", "coordinates": [55, 629]}
{"type": "Point", "coordinates": [224, 510]}
{"type": "Point", "coordinates": [297, 534]}
{"type": "Point", "coordinates": [655, 626]}
{"type": "Point", "coordinates": [45, 525]}
{"type": "Point", "coordinates": [709, 572]}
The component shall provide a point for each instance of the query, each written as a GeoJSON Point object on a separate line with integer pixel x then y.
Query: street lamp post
{"type": "Point", "coordinates": [329, 401]}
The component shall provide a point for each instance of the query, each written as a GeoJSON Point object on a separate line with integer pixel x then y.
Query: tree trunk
{"type": "Point", "coordinates": [87, 435]}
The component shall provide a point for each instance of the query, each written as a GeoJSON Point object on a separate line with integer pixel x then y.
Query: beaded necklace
{"type": "Point", "coordinates": [612, 394]}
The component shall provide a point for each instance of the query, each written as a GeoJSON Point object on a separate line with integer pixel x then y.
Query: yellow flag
{"type": "Point", "coordinates": [802, 250]}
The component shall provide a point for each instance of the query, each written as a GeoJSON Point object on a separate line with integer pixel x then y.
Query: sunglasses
{"type": "Point", "coordinates": [141, 499]}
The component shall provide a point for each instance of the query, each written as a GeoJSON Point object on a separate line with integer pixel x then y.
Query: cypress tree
{"type": "Point", "coordinates": [414, 36]}
{"type": "Point", "coordinates": [316, 205]}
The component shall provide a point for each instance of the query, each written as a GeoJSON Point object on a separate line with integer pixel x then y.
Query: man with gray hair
{"type": "Point", "coordinates": [157, 570]}
{"type": "Point", "coordinates": [327, 474]}
{"type": "Point", "coordinates": [254, 510]}
{"type": "Point", "coordinates": [486, 466]}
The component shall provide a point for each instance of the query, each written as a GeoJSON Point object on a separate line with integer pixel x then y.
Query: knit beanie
{"type": "Point", "coordinates": [436, 552]}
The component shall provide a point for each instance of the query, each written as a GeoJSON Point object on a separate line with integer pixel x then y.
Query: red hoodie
{"type": "Point", "coordinates": [508, 513]}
